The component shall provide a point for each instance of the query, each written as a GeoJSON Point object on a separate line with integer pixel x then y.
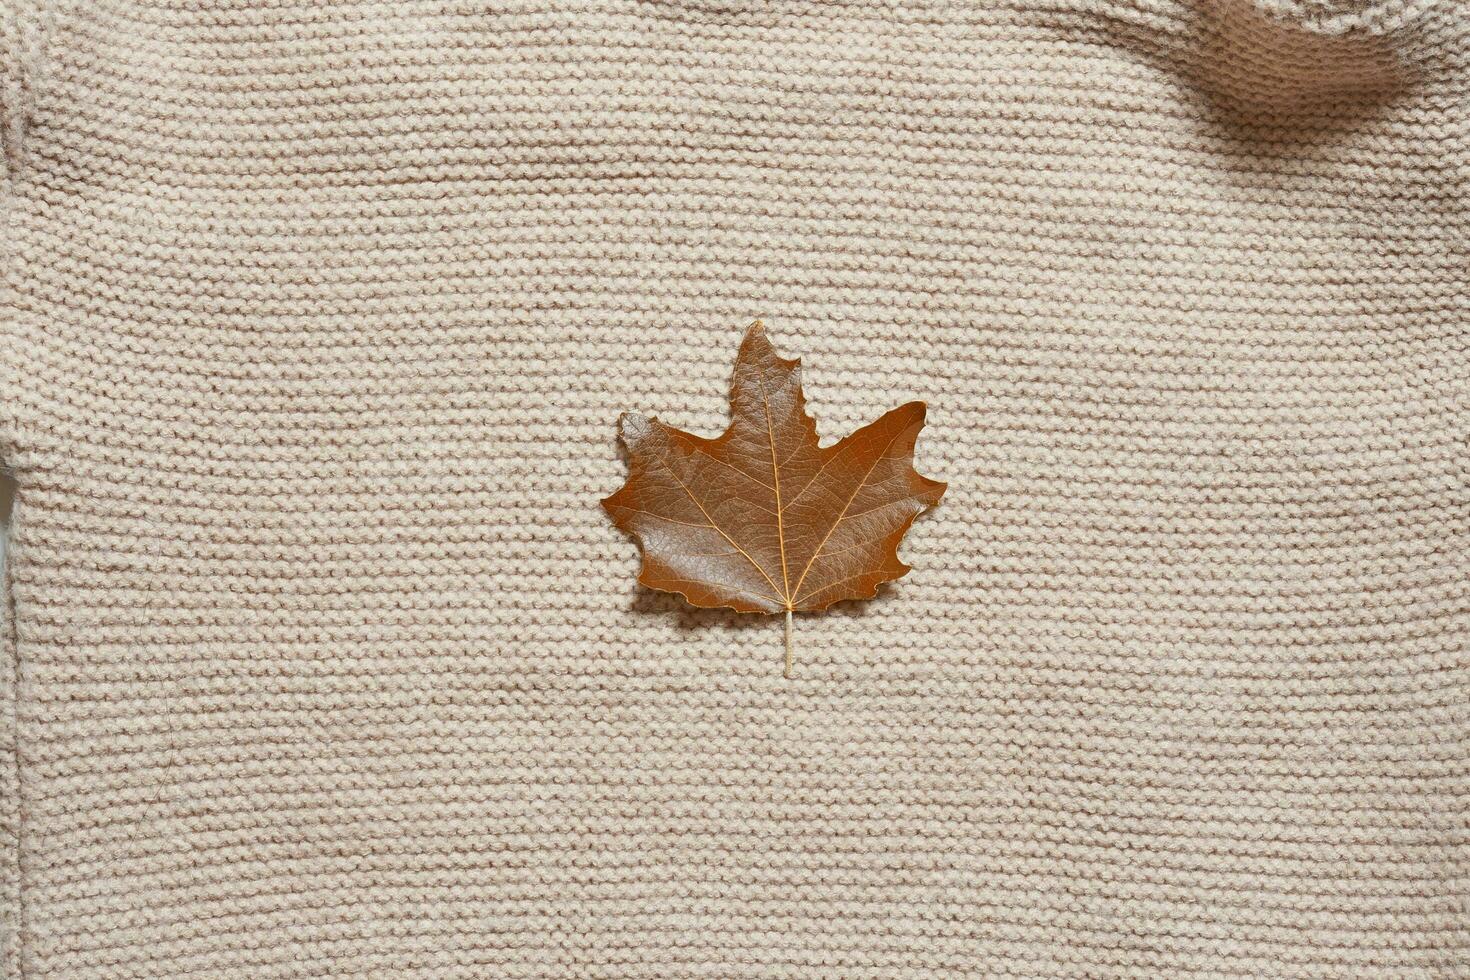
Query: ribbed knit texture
{"type": "Point", "coordinates": [325, 662]}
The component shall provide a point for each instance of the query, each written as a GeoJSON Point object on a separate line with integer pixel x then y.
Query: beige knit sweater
{"type": "Point", "coordinates": [323, 661]}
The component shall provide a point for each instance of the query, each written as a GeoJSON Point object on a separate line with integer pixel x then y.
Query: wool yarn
{"type": "Point", "coordinates": [322, 660]}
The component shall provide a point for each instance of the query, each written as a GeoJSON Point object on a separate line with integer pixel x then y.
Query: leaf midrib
{"type": "Point", "coordinates": [776, 479]}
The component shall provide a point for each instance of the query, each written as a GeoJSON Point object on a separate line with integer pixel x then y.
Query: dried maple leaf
{"type": "Point", "coordinates": [763, 519]}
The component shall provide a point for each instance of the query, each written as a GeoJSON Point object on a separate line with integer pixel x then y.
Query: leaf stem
{"type": "Point", "coordinates": [787, 672]}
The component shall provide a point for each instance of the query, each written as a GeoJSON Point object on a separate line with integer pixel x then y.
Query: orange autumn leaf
{"type": "Point", "coordinates": [763, 519]}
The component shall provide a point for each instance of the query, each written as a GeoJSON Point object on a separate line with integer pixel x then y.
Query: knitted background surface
{"type": "Point", "coordinates": [325, 662]}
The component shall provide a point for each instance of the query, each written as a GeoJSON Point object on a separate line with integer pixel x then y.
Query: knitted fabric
{"type": "Point", "coordinates": [323, 660]}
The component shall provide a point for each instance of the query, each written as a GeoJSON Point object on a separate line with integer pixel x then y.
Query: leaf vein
{"type": "Point", "coordinates": [843, 581]}
{"type": "Point", "coordinates": [651, 513]}
{"type": "Point", "coordinates": [722, 585]}
{"type": "Point", "coordinates": [725, 463]}
{"type": "Point", "coordinates": [855, 491]}
{"type": "Point", "coordinates": [733, 543]}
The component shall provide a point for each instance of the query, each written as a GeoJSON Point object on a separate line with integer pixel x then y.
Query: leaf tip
{"type": "Point", "coordinates": [633, 428]}
{"type": "Point", "coordinates": [755, 341]}
{"type": "Point", "coordinates": [757, 352]}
